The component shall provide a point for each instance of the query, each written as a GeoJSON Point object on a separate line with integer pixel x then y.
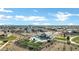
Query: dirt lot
{"type": "Point", "coordinates": [58, 46]}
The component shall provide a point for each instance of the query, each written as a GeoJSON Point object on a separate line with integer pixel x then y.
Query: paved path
{"type": "Point", "coordinates": [12, 47]}
{"type": "Point", "coordinates": [17, 38]}
{"type": "Point", "coordinates": [73, 41]}
{"type": "Point", "coordinates": [70, 40]}
{"type": "Point", "coordinates": [4, 45]}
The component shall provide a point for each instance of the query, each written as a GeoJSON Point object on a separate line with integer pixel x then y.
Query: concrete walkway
{"type": "Point", "coordinates": [4, 45]}
{"type": "Point", "coordinates": [70, 40]}
{"type": "Point", "coordinates": [10, 42]}
{"type": "Point", "coordinates": [73, 41]}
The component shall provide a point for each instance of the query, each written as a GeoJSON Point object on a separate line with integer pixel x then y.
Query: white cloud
{"type": "Point", "coordinates": [37, 23]}
{"type": "Point", "coordinates": [72, 24]}
{"type": "Point", "coordinates": [37, 18]}
{"type": "Point", "coordinates": [4, 17]}
{"type": "Point", "coordinates": [61, 16]}
{"type": "Point", "coordinates": [2, 24]}
{"type": "Point", "coordinates": [4, 10]}
{"type": "Point", "coordinates": [23, 18]}
{"type": "Point", "coordinates": [19, 17]}
{"type": "Point", "coordinates": [8, 17]}
{"type": "Point", "coordinates": [46, 24]}
{"type": "Point", "coordinates": [30, 18]}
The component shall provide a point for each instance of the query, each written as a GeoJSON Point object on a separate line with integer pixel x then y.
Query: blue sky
{"type": "Point", "coordinates": [39, 16]}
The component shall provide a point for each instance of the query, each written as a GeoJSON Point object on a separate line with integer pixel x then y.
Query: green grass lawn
{"type": "Point", "coordinates": [1, 42]}
{"type": "Point", "coordinates": [2, 39]}
{"type": "Point", "coordinates": [29, 44]}
{"type": "Point", "coordinates": [76, 39]}
{"type": "Point", "coordinates": [11, 37]}
{"type": "Point", "coordinates": [60, 38]}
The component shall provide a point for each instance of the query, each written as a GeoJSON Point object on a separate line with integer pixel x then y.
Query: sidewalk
{"type": "Point", "coordinates": [73, 41]}
{"type": "Point", "coordinates": [4, 45]}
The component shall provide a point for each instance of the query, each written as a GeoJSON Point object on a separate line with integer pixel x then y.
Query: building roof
{"type": "Point", "coordinates": [42, 38]}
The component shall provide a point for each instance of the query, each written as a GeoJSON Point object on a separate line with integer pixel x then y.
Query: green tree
{"type": "Point", "coordinates": [68, 39]}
